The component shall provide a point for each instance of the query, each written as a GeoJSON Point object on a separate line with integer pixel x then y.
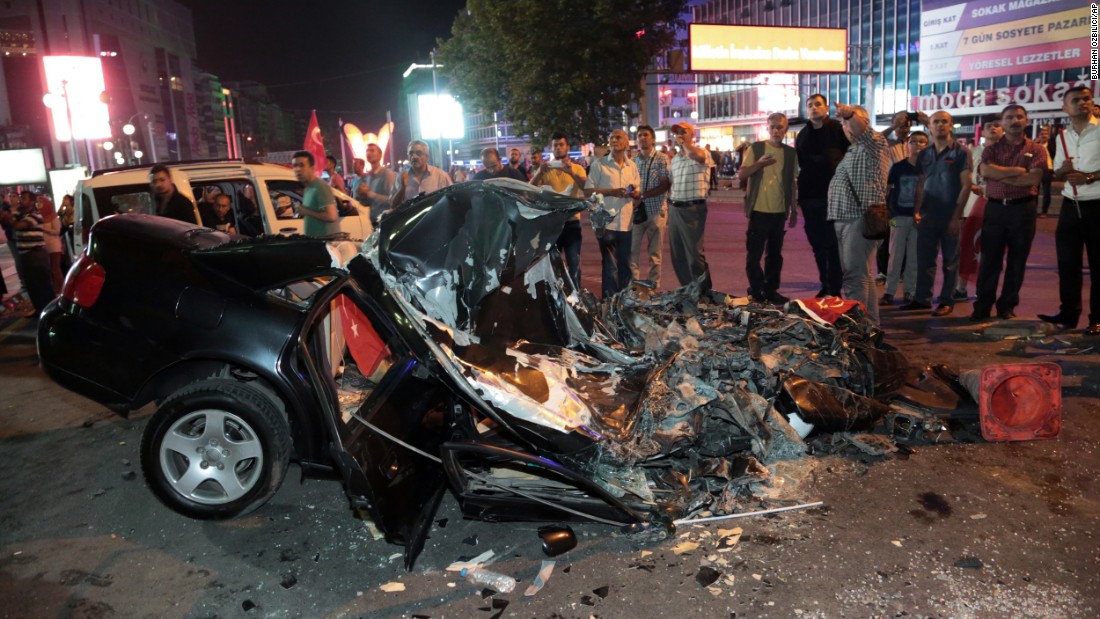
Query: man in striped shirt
{"type": "Point", "coordinates": [687, 219]}
{"type": "Point", "coordinates": [859, 182]}
{"type": "Point", "coordinates": [31, 245]}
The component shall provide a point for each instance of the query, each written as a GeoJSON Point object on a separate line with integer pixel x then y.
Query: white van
{"type": "Point", "coordinates": [255, 189]}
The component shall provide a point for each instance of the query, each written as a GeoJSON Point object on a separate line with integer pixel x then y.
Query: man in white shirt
{"type": "Point", "coordinates": [1077, 162]}
{"type": "Point", "coordinates": [616, 178]}
{"type": "Point", "coordinates": [421, 178]}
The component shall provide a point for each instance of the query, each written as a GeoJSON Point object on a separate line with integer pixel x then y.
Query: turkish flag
{"type": "Point", "coordinates": [314, 144]}
{"type": "Point", "coordinates": [826, 310]}
{"type": "Point", "coordinates": [970, 241]}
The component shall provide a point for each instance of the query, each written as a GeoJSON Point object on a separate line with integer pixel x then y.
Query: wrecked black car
{"type": "Point", "coordinates": [449, 352]}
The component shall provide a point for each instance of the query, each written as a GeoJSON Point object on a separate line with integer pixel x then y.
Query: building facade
{"type": "Point", "coordinates": [174, 109]}
{"type": "Point", "coordinates": [969, 79]}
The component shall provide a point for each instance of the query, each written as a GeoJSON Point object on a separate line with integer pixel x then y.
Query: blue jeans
{"type": "Point", "coordinates": [932, 235]}
{"type": "Point", "coordinates": [569, 244]}
{"type": "Point", "coordinates": [615, 251]}
{"type": "Point", "coordinates": [857, 264]}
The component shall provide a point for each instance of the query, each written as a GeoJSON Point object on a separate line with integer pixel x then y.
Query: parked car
{"type": "Point", "coordinates": [254, 188]}
{"type": "Point", "coordinates": [450, 351]}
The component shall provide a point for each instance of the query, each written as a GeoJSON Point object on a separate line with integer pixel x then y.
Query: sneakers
{"type": "Point", "coordinates": [914, 305]}
{"type": "Point", "coordinates": [960, 295]}
{"type": "Point", "coordinates": [1059, 319]}
{"type": "Point", "coordinates": [942, 310]}
{"type": "Point", "coordinates": [887, 299]}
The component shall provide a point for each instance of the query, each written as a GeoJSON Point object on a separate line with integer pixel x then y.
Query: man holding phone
{"type": "Point", "coordinates": [687, 219]}
{"type": "Point", "coordinates": [566, 177]}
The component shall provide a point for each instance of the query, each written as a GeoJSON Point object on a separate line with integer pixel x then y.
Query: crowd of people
{"type": "Point", "coordinates": [839, 167]}
{"type": "Point", "coordinates": [939, 194]}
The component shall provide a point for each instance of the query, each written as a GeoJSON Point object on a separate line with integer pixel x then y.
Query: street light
{"type": "Point", "coordinates": [129, 129]}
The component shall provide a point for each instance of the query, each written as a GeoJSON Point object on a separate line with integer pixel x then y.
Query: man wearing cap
{"type": "Point", "coordinates": [687, 219]}
{"type": "Point", "coordinates": [616, 178]}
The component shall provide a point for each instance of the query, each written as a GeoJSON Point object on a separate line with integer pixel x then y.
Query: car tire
{"type": "Point", "coordinates": [215, 450]}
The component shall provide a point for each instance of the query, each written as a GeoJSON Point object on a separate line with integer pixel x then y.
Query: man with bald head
{"type": "Point", "coordinates": [490, 158]}
{"type": "Point", "coordinates": [616, 177]}
{"type": "Point", "coordinates": [944, 169]}
{"type": "Point", "coordinates": [859, 183]}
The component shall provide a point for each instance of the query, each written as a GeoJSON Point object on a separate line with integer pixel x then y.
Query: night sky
{"type": "Point", "coordinates": [343, 58]}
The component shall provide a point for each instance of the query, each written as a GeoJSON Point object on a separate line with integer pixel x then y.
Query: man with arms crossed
{"type": "Point", "coordinates": [1012, 167]}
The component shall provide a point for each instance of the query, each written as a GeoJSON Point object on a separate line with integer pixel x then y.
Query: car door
{"type": "Point", "coordinates": [391, 417]}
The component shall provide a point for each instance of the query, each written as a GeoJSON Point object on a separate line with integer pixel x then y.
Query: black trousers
{"type": "Point", "coordinates": [1078, 231]}
{"type": "Point", "coordinates": [766, 232]}
{"type": "Point", "coordinates": [36, 277]}
{"type": "Point", "coordinates": [822, 237]}
{"type": "Point", "coordinates": [1007, 228]}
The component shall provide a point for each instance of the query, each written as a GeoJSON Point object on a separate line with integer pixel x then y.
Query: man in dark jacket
{"type": "Point", "coordinates": [170, 203]}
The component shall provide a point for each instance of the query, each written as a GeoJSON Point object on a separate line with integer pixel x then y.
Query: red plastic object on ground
{"type": "Point", "coordinates": [1021, 402]}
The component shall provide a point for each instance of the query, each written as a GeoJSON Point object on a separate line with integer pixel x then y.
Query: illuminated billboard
{"type": "Point", "coordinates": [75, 89]}
{"type": "Point", "coordinates": [768, 49]}
{"type": "Point", "coordinates": [441, 117]}
{"type": "Point", "coordinates": [993, 38]}
{"type": "Point", "coordinates": [22, 166]}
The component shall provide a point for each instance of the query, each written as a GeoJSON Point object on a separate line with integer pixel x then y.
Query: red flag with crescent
{"type": "Point", "coordinates": [314, 143]}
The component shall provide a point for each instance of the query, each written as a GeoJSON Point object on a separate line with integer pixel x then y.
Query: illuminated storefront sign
{"type": "Point", "coordinates": [767, 49]}
{"type": "Point", "coordinates": [75, 90]}
{"type": "Point", "coordinates": [441, 117]}
{"type": "Point", "coordinates": [1037, 96]}
{"type": "Point", "coordinates": [994, 38]}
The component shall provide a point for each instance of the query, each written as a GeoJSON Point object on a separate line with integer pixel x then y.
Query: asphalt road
{"type": "Point", "coordinates": [955, 530]}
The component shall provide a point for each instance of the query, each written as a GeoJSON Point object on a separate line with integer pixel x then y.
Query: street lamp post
{"type": "Point", "coordinates": [435, 91]}
{"type": "Point", "coordinates": [69, 116]}
{"type": "Point", "coordinates": [129, 130]}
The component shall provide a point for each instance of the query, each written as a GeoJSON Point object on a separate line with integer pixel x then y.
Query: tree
{"type": "Point", "coordinates": [557, 65]}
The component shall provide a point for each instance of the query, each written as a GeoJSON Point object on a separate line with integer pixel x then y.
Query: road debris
{"type": "Point", "coordinates": [540, 578]}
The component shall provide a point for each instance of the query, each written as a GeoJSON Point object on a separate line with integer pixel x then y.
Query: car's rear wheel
{"type": "Point", "coordinates": [216, 449]}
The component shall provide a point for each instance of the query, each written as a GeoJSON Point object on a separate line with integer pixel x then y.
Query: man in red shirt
{"type": "Point", "coordinates": [1012, 167]}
